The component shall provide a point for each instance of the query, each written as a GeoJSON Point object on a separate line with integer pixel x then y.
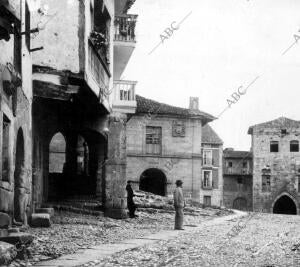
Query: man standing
{"type": "Point", "coordinates": [178, 205]}
{"type": "Point", "coordinates": [130, 203]}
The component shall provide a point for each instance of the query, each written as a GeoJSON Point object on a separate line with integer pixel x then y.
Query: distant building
{"type": "Point", "coordinates": [164, 143]}
{"type": "Point", "coordinates": [212, 173]}
{"type": "Point", "coordinates": [237, 178]}
{"type": "Point", "coordinates": [276, 166]}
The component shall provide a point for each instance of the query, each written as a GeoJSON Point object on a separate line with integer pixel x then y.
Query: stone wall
{"type": "Point", "coordinates": [283, 166]}
{"type": "Point", "coordinates": [59, 38]}
{"type": "Point", "coordinates": [15, 188]}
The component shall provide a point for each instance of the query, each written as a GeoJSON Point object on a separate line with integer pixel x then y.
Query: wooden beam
{"type": "Point", "coordinates": [54, 91]}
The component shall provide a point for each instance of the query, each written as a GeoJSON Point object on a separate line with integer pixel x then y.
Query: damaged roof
{"type": "Point", "coordinates": [209, 136]}
{"type": "Point", "coordinates": [145, 105]}
{"type": "Point", "coordinates": [281, 122]}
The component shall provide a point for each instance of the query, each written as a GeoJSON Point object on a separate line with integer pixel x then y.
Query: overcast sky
{"type": "Point", "coordinates": [222, 45]}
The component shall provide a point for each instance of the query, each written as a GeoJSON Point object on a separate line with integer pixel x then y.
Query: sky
{"type": "Point", "coordinates": [219, 47]}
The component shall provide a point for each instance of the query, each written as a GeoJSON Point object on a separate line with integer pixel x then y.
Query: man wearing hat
{"type": "Point", "coordinates": [178, 205]}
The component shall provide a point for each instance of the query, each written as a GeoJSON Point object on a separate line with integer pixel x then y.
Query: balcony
{"type": "Point", "coordinates": [124, 42]}
{"type": "Point", "coordinates": [232, 171]}
{"type": "Point", "coordinates": [98, 73]}
{"type": "Point", "coordinates": [124, 96]}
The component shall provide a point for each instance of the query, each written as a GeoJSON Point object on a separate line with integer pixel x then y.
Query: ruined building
{"type": "Point", "coordinates": [15, 110]}
{"type": "Point", "coordinates": [164, 143]}
{"type": "Point", "coordinates": [276, 166]}
{"type": "Point", "coordinates": [237, 178]}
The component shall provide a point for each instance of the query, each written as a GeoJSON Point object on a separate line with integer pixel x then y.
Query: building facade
{"type": "Point", "coordinates": [237, 178]}
{"type": "Point", "coordinates": [164, 143]}
{"type": "Point", "coordinates": [80, 105]}
{"type": "Point", "coordinates": [276, 166]}
{"type": "Point", "coordinates": [15, 110]}
{"type": "Point", "coordinates": [212, 172]}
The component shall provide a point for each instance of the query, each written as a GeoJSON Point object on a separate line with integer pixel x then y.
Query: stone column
{"type": "Point", "coordinates": [115, 182]}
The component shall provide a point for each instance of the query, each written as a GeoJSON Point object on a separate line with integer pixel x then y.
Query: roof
{"type": "Point", "coordinates": [277, 123]}
{"type": "Point", "coordinates": [145, 105]}
{"type": "Point", "coordinates": [209, 136]}
{"type": "Point", "coordinates": [237, 154]}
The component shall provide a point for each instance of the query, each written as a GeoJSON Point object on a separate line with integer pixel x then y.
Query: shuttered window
{"type": "Point", "coordinates": [153, 140]}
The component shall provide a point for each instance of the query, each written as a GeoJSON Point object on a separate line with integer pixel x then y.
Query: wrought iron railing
{"type": "Point", "coordinates": [125, 28]}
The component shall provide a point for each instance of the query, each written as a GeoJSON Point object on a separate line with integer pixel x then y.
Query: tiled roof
{"type": "Point", "coordinates": [209, 136]}
{"type": "Point", "coordinates": [278, 123]}
{"type": "Point", "coordinates": [145, 105]}
{"type": "Point", "coordinates": [236, 154]}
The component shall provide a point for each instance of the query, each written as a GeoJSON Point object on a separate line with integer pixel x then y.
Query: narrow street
{"type": "Point", "coordinates": [260, 240]}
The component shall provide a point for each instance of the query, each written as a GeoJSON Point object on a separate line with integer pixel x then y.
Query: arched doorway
{"type": "Point", "coordinates": [153, 181]}
{"type": "Point", "coordinates": [19, 177]}
{"type": "Point", "coordinates": [240, 203]}
{"type": "Point", "coordinates": [57, 164]}
{"type": "Point", "coordinates": [285, 205]}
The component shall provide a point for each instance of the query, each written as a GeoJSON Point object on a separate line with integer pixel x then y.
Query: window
{"type": "Point", "coordinates": [294, 146]}
{"type": "Point", "coordinates": [207, 200]}
{"type": "Point", "coordinates": [240, 180]}
{"type": "Point", "coordinates": [5, 148]}
{"type": "Point", "coordinates": [283, 131]}
{"type": "Point", "coordinates": [274, 146]}
{"type": "Point", "coordinates": [245, 164]}
{"type": "Point", "coordinates": [207, 179]}
{"type": "Point", "coordinates": [207, 157]}
{"type": "Point", "coordinates": [153, 140]}
{"type": "Point", "coordinates": [266, 182]}
{"type": "Point", "coordinates": [229, 164]}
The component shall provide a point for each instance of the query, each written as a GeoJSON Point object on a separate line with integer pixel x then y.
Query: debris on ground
{"type": "Point", "coordinates": [70, 231]}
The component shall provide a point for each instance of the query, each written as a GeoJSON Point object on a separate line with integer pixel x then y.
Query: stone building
{"type": "Point", "coordinates": [276, 166]}
{"type": "Point", "coordinates": [79, 104]}
{"type": "Point", "coordinates": [164, 143]}
{"type": "Point", "coordinates": [237, 178]}
{"type": "Point", "coordinates": [15, 110]}
{"type": "Point", "coordinates": [212, 171]}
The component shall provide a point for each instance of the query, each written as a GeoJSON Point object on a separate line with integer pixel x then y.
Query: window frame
{"type": "Point", "coordinates": [209, 184]}
{"type": "Point", "coordinates": [294, 143]}
{"type": "Point", "coordinates": [272, 143]}
{"type": "Point", "coordinates": [153, 144]}
{"type": "Point", "coordinates": [207, 161]}
{"type": "Point", "coordinates": [266, 185]}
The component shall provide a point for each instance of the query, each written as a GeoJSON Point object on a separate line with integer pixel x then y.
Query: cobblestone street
{"type": "Point", "coordinates": [255, 240]}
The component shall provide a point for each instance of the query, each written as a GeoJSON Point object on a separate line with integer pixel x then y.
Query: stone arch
{"type": "Point", "coordinates": [153, 180]}
{"type": "Point", "coordinates": [55, 184]}
{"type": "Point", "coordinates": [240, 203]}
{"type": "Point", "coordinates": [285, 204]}
{"type": "Point", "coordinates": [19, 178]}
{"type": "Point", "coordinates": [57, 153]}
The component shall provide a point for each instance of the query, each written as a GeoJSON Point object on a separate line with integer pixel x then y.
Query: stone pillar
{"type": "Point", "coordinates": [115, 182]}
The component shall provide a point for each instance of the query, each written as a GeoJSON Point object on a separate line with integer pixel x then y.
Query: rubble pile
{"type": "Point", "coordinates": [151, 203]}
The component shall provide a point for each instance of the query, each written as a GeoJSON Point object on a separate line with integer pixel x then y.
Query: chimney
{"type": "Point", "coordinates": [194, 103]}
